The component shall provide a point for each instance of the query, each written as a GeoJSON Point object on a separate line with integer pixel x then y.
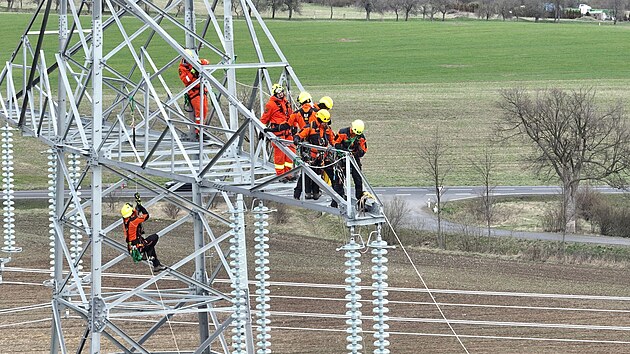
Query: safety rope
{"type": "Point", "coordinates": [132, 101]}
{"type": "Point", "coordinates": [168, 319]}
{"type": "Point", "coordinates": [425, 285]}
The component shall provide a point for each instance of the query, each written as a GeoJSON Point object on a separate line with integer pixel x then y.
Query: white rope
{"type": "Point", "coordinates": [22, 283]}
{"type": "Point", "coordinates": [25, 322]}
{"type": "Point", "coordinates": [25, 308]}
{"type": "Point", "coordinates": [425, 285]}
{"type": "Point", "coordinates": [168, 319]}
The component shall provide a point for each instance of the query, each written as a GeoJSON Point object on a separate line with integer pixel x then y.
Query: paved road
{"type": "Point", "coordinates": [418, 198]}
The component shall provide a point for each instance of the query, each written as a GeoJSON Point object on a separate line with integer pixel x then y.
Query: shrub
{"type": "Point", "coordinates": [280, 214]}
{"type": "Point", "coordinates": [397, 212]}
{"type": "Point", "coordinates": [171, 210]}
{"type": "Point", "coordinates": [553, 220]}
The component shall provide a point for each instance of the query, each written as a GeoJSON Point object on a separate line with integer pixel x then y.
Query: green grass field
{"type": "Point", "coordinates": [405, 79]}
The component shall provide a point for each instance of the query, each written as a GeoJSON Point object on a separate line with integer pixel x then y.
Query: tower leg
{"type": "Point", "coordinates": [200, 265]}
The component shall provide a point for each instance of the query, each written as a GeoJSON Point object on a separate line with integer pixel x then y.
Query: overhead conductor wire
{"type": "Point", "coordinates": [425, 285]}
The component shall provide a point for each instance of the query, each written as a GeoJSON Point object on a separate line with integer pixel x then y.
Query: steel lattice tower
{"type": "Point", "coordinates": [107, 94]}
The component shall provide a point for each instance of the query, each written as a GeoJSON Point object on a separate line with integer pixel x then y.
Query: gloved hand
{"type": "Point", "coordinates": [137, 196]}
{"type": "Point", "coordinates": [266, 130]}
{"type": "Point", "coordinates": [261, 136]}
{"type": "Point", "coordinates": [194, 72]}
{"type": "Point", "coordinates": [283, 126]}
{"type": "Point", "coordinates": [329, 149]}
{"type": "Point", "coordinates": [296, 140]}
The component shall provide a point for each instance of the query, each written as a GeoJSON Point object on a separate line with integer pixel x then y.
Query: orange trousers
{"type": "Point", "coordinates": [281, 161]}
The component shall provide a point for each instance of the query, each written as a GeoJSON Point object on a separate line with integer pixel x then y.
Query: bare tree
{"type": "Point", "coordinates": [396, 6]}
{"type": "Point", "coordinates": [535, 9]}
{"type": "Point", "coordinates": [397, 211]}
{"type": "Point", "coordinates": [275, 6]}
{"type": "Point", "coordinates": [433, 156]}
{"type": "Point", "coordinates": [410, 7]}
{"type": "Point", "coordinates": [292, 6]}
{"type": "Point", "coordinates": [505, 8]}
{"type": "Point", "coordinates": [335, 3]}
{"type": "Point", "coordinates": [261, 5]}
{"type": "Point", "coordinates": [443, 6]}
{"type": "Point", "coordinates": [486, 9]}
{"type": "Point", "coordinates": [485, 169]}
{"type": "Point", "coordinates": [557, 10]}
{"type": "Point", "coordinates": [573, 139]}
{"type": "Point", "coordinates": [371, 6]}
{"type": "Point", "coordinates": [617, 8]}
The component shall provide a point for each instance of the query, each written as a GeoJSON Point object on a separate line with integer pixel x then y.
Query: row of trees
{"type": "Point", "coordinates": [428, 9]}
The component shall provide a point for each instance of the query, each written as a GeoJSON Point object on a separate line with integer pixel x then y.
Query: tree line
{"type": "Point", "coordinates": [426, 9]}
{"type": "Point", "coordinates": [438, 9]}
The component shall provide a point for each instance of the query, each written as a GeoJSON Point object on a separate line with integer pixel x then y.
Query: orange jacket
{"type": "Point", "coordinates": [316, 134]}
{"type": "Point", "coordinates": [132, 226]}
{"type": "Point", "coordinates": [303, 116]}
{"type": "Point", "coordinates": [276, 116]}
{"type": "Point", "coordinates": [348, 141]}
{"type": "Point", "coordinates": [188, 74]}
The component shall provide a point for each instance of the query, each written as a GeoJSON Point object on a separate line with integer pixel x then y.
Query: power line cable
{"type": "Point", "coordinates": [425, 284]}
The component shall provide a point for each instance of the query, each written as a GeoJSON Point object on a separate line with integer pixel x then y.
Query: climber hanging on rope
{"type": "Point", "coordinates": [139, 247]}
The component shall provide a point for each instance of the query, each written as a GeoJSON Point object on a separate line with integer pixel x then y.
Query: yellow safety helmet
{"type": "Point", "coordinates": [126, 211]}
{"type": "Point", "coordinates": [323, 115]}
{"type": "Point", "coordinates": [304, 97]}
{"type": "Point", "coordinates": [276, 89]}
{"type": "Point", "coordinates": [327, 101]}
{"type": "Point", "coordinates": [358, 126]}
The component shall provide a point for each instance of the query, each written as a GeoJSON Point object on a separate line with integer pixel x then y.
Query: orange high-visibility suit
{"type": "Point", "coordinates": [188, 75]}
{"type": "Point", "coordinates": [320, 134]}
{"type": "Point", "coordinates": [132, 227]}
{"type": "Point", "coordinates": [276, 117]}
{"type": "Point", "coordinates": [357, 146]}
{"type": "Point", "coordinates": [302, 117]}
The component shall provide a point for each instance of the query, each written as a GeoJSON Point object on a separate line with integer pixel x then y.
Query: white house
{"type": "Point", "coordinates": [584, 9]}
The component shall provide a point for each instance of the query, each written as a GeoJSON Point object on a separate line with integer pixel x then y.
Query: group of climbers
{"type": "Point", "coordinates": [310, 124]}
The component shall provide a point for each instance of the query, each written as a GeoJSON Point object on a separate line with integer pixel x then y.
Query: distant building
{"type": "Point", "coordinates": [584, 9]}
